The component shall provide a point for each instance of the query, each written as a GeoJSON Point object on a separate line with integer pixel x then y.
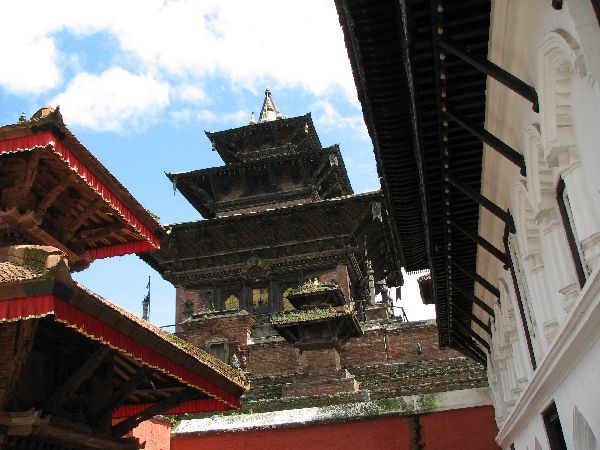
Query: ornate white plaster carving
{"type": "Point", "coordinates": [560, 57]}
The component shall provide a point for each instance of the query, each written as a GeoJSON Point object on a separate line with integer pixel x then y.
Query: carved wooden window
{"type": "Point", "coordinates": [260, 297]}
{"type": "Point", "coordinates": [218, 346]}
{"type": "Point", "coordinates": [553, 427]}
{"type": "Point", "coordinates": [232, 303]}
{"type": "Point", "coordinates": [569, 225]}
{"type": "Point", "coordinates": [188, 308]}
{"type": "Point", "coordinates": [207, 299]}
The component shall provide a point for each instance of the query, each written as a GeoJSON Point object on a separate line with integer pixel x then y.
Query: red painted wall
{"type": "Point", "coordinates": [460, 429]}
{"type": "Point", "coordinates": [468, 428]}
{"type": "Point", "coordinates": [154, 433]}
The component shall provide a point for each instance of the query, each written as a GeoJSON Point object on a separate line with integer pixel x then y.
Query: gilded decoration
{"type": "Point", "coordinates": [255, 269]}
{"type": "Point", "coordinates": [232, 303]}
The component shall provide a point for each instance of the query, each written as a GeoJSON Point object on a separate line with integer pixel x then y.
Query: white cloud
{"type": "Point", "coordinates": [289, 43]}
{"type": "Point", "coordinates": [329, 117]}
{"type": "Point", "coordinates": [29, 64]}
{"type": "Point", "coordinates": [112, 100]}
{"type": "Point", "coordinates": [237, 118]}
{"type": "Point", "coordinates": [190, 93]}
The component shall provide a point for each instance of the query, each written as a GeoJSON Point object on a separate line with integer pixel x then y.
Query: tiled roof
{"type": "Point", "coordinates": [11, 272]}
{"type": "Point", "coordinates": [25, 264]}
{"type": "Point", "coordinates": [207, 359]}
{"type": "Point", "coordinates": [55, 118]}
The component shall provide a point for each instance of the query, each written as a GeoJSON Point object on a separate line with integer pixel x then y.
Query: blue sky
{"type": "Point", "coordinates": [138, 82]}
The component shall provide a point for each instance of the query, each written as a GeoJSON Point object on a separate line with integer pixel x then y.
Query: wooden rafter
{"type": "Point", "coordinates": [30, 174]}
{"type": "Point", "coordinates": [130, 423]}
{"type": "Point", "coordinates": [54, 193]}
{"type": "Point", "coordinates": [23, 345]}
{"type": "Point", "coordinates": [119, 397]}
{"type": "Point", "coordinates": [100, 232]}
{"type": "Point", "coordinates": [81, 218]}
{"type": "Point", "coordinates": [62, 394]}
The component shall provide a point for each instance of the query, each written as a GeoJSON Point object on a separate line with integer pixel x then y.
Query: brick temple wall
{"type": "Point", "coordinates": [273, 358]}
{"type": "Point", "coordinates": [380, 345]}
{"type": "Point", "coordinates": [385, 344]}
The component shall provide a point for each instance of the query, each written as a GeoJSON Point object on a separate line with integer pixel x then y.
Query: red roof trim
{"type": "Point", "coordinates": [121, 249]}
{"type": "Point", "coordinates": [191, 406]}
{"type": "Point", "coordinates": [43, 305]}
{"type": "Point", "coordinates": [48, 140]}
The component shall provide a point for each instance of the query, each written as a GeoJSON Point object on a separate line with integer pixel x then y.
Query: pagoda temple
{"type": "Point", "coordinates": [280, 211]}
{"type": "Point", "coordinates": [288, 276]}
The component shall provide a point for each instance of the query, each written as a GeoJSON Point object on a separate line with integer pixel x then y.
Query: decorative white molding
{"type": "Point", "coordinates": [583, 436]}
{"type": "Point", "coordinates": [540, 177]}
{"type": "Point", "coordinates": [559, 58]}
{"type": "Point", "coordinates": [591, 251]}
{"type": "Point", "coordinates": [579, 333]}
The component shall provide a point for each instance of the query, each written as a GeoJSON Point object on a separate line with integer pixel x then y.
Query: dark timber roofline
{"type": "Point", "coordinates": [224, 142]}
{"type": "Point", "coordinates": [421, 69]}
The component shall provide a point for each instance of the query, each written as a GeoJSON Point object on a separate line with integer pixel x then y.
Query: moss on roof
{"type": "Point", "coordinates": [313, 286]}
{"type": "Point", "coordinates": [309, 315]}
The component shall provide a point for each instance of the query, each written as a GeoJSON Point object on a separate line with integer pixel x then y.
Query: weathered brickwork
{"type": "Point", "coordinates": [273, 358]}
{"type": "Point", "coordinates": [402, 343]}
{"type": "Point", "coordinates": [181, 296]}
{"type": "Point", "coordinates": [339, 275]}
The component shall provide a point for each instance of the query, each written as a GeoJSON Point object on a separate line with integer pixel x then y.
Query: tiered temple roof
{"type": "Point", "coordinates": [55, 192]}
{"type": "Point", "coordinates": [72, 361]}
{"type": "Point", "coordinates": [266, 163]}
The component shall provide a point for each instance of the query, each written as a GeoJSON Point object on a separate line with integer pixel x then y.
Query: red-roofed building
{"type": "Point", "coordinates": [78, 371]}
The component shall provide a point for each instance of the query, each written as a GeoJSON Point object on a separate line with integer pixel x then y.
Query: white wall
{"type": "Point", "coordinates": [557, 52]}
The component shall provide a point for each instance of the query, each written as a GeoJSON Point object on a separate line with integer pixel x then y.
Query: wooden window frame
{"type": "Point", "coordinates": [520, 305]}
{"type": "Point", "coordinates": [553, 427]}
{"type": "Point", "coordinates": [568, 226]}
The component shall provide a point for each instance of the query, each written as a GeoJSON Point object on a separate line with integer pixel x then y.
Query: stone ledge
{"type": "Point", "coordinates": [407, 405]}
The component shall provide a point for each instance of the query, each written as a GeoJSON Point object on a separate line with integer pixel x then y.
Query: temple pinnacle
{"type": "Point", "coordinates": [269, 111]}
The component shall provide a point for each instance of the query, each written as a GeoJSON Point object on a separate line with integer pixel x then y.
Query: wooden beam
{"type": "Point", "coordinates": [483, 201]}
{"type": "Point", "coordinates": [90, 209]}
{"type": "Point", "coordinates": [26, 330]}
{"type": "Point", "coordinates": [500, 255]}
{"type": "Point", "coordinates": [479, 279]}
{"type": "Point", "coordinates": [485, 136]}
{"type": "Point", "coordinates": [86, 370]}
{"type": "Point", "coordinates": [483, 305]}
{"type": "Point", "coordinates": [121, 394]}
{"type": "Point", "coordinates": [100, 232]}
{"type": "Point", "coordinates": [491, 69]}
{"type": "Point", "coordinates": [30, 174]}
{"type": "Point", "coordinates": [38, 234]}
{"type": "Point", "coordinates": [485, 327]}
{"type": "Point", "coordinates": [468, 347]}
{"type": "Point", "coordinates": [330, 189]}
{"type": "Point", "coordinates": [131, 422]}
{"type": "Point", "coordinates": [51, 197]}
{"type": "Point", "coordinates": [471, 332]}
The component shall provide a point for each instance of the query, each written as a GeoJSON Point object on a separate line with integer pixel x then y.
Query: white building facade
{"type": "Point", "coordinates": [544, 358]}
